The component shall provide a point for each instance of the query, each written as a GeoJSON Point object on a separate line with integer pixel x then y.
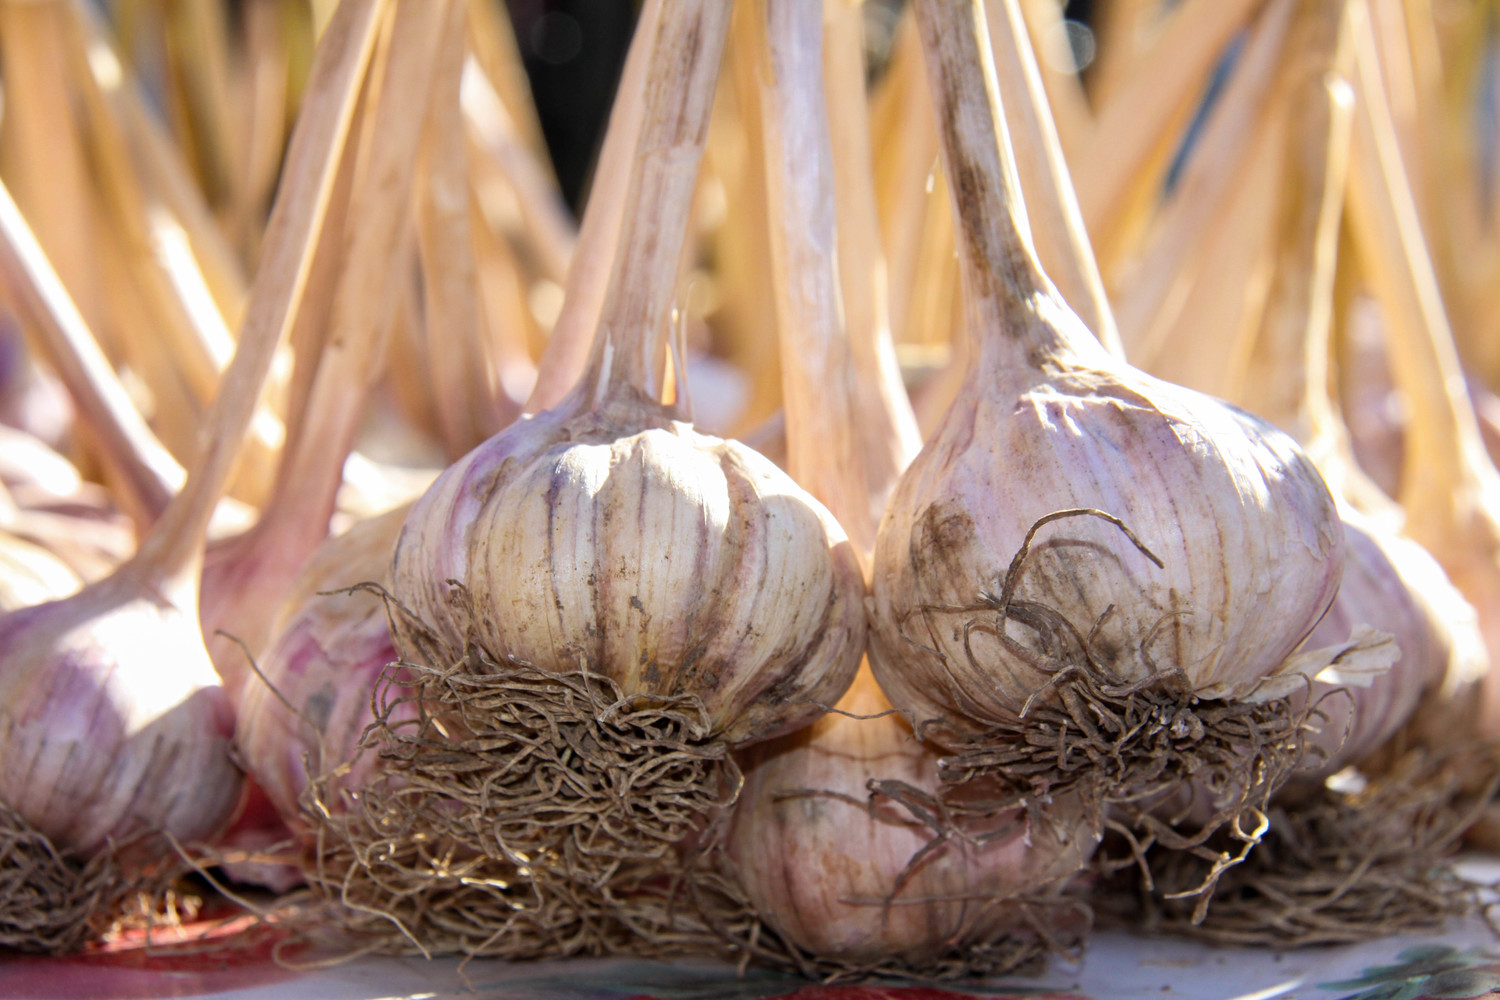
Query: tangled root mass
{"type": "Point", "coordinates": [518, 812]}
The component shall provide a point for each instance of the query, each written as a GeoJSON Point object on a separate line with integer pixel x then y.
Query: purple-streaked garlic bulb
{"type": "Point", "coordinates": [606, 533]}
{"type": "Point", "coordinates": [1382, 574]}
{"type": "Point", "coordinates": [845, 877]}
{"type": "Point", "coordinates": [328, 652]}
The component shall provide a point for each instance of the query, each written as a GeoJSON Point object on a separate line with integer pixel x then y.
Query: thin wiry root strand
{"type": "Point", "coordinates": [518, 813]}
{"type": "Point", "coordinates": [1339, 867]}
{"type": "Point", "coordinates": [49, 902]}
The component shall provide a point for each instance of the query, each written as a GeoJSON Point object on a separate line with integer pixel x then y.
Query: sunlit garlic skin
{"type": "Point", "coordinates": [29, 574]}
{"type": "Point", "coordinates": [800, 858]}
{"type": "Point", "coordinates": [1246, 530]}
{"type": "Point", "coordinates": [112, 722]}
{"type": "Point", "coordinates": [627, 542]}
{"type": "Point", "coordinates": [327, 653]}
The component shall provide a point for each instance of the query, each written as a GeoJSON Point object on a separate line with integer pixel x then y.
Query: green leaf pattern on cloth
{"type": "Point", "coordinates": [1428, 972]}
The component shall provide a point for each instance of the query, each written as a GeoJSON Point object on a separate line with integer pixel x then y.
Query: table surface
{"type": "Point", "coordinates": [1463, 962]}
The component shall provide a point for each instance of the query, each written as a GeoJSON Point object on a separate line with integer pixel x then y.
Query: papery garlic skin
{"type": "Point", "coordinates": [801, 858]}
{"type": "Point", "coordinates": [328, 651]}
{"type": "Point", "coordinates": [670, 561]}
{"type": "Point", "coordinates": [1394, 583]}
{"type": "Point", "coordinates": [1251, 545]}
{"type": "Point", "coordinates": [112, 722]}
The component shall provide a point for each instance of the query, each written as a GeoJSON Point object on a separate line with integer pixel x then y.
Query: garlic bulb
{"type": "Point", "coordinates": [844, 876]}
{"type": "Point", "coordinates": [1246, 546]}
{"type": "Point", "coordinates": [606, 534]}
{"type": "Point", "coordinates": [114, 724]}
{"type": "Point", "coordinates": [1380, 585]}
{"type": "Point", "coordinates": [328, 651]}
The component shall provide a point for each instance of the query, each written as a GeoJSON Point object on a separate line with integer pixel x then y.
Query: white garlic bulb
{"type": "Point", "coordinates": [1248, 547]}
{"type": "Point", "coordinates": [627, 542]}
{"type": "Point", "coordinates": [606, 534]}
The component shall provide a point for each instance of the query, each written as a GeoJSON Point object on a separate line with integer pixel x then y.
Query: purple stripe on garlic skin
{"type": "Point", "coordinates": [441, 519]}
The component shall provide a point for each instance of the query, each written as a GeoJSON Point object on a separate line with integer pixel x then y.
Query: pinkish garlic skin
{"type": "Point", "coordinates": [243, 586]}
{"type": "Point", "coordinates": [327, 655]}
{"type": "Point", "coordinates": [1245, 527]}
{"type": "Point", "coordinates": [113, 724]}
{"type": "Point", "coordinates": [1375, 591]}
{"type": "Point", "coordinates": [671, 561]}
{"type": "Point", "coordinates": [801, 859]}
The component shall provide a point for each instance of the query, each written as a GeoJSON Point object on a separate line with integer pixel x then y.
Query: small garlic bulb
{"type": "Point", "coordinates": [1379, 586]}
{"type": "Point", "coordinates": [1248, 545]}
{"type": "Point", "coordinates": [819, 863]}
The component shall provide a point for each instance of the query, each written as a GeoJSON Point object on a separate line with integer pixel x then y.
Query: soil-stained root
{"type": "Point", "coordinates": [518, 813]}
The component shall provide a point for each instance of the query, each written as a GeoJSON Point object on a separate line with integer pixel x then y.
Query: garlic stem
{"type": "Point", "coordinates": [160, 163]}
{"type": "Point", "coordinates": [1062, 241]}
{"type": "Point", "coordinates": [906, 174]}
{"type": "Point", "coordinates": [629, 353]}
{"type": "Point", "coordinates": [548, 227]}
{"type": "Point", "coordinates": [996, 258]}
{"type": "Point", "coordinates": [1287, 377]}
{"type": "Point", "coordinates": [885, 426]}
{"type": "Point", "coordinates": [1063, 90]}
{"type": "Point", "coordinates": [1445, 457]}
{"type": "Point", "coordinates": [175, 546]}
{"type": "Point", "coordinates": [817, 370]}
{"type": "Point", "coordinates": [1217, 166]}
{"type": "Point", "coordinates": [465, 396]}
{"type": "Point", "coordinates": [1162, 82]}
{"type": "Point", "coordinates": [145, 472]}
{"type": "Point", "coordinates": [568, 347]}
{"type": "Point", "coordinates": [384, 161]}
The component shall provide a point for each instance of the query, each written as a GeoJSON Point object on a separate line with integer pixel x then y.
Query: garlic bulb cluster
{"type": "Point", "coordinates": [1247, 544]}
{"type": "Point", "coordinates": [606, 535]}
